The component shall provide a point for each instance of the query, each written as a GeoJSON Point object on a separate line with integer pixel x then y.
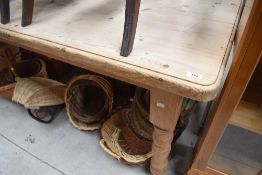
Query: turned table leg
{"type": "Point", "coordinates": [27, 12]}
{"type": "Point", "coordinates": [164, 113]}
{"type": "Point", "coordinates": [5, 11]}
{"type": "Point", "coordinates": [131, 18]}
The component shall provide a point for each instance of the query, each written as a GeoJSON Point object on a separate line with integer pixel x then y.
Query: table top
{"type": "Point", "coordinates": [181, 46]}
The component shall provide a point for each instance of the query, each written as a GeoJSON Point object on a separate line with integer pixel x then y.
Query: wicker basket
{"type": "Point", "coordinates": [89, 100]}
{"type": "Point", "coordinates": [187, 108]}
{"type": "Point", "coordinates": [35, 67]}
{"type": "Point", "coordinates": [127, 135]}
{"type": "Point", "coordinates": [7, 91]}
{"type": "Point", "coordinates": [134, 137]}
{"type": "Point", "coordinates": [139, 120]}
{"type": "Point", "coordinates": [38, 92]}
{"type": "Point", "coordinates": [111, 141]}
{"type": "Point", "coordinates": [131, 142]}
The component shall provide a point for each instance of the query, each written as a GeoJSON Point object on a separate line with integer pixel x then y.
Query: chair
{"type": "Point", "coordinates": [131, 18]}
{"type": "Point", "coordinates": [27, 12]}
{"type": "Point", "coordinates": [5, 11]}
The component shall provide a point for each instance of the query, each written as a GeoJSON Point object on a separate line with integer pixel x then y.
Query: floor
{"type": "Point", "coordinates": [31, 148]}
{"type": "Point", "coordinates": [239, 152]}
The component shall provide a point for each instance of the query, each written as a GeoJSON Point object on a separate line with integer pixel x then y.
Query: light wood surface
{"type": "Point", "coordinates": [253, 92]}
{"type": "Point", "coordinates": [181, 46]}
{"type": "Point", "coordinates": [213, 171]}
{"type": "Point", "coordinates": [246, 57]}
{"type": "Point", "coordinates": [165, 109]}
{"type": "Point", "coordinates": [243, 21]}
{"type": "Point", "coordinates": [196, 172]}
{"type": "Point", "coordinates": [248, 116]}
{"type": "Point", "coordinates": [209, 171]}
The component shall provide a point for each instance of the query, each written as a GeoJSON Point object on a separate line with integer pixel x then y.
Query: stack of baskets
{"type": "Point", "coordinates": [127, 135]}
{"type": "Point", "coordinates": [136, 135]}
{"type": "Point", "coordinates": [25, 82]}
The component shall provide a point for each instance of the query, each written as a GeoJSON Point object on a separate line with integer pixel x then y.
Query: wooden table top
{"type": "Point", "coordinates": [181, 46]}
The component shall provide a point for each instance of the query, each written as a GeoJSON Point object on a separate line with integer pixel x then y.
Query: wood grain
{"type": "Point", "coordinates": [209, 171]}
{"type": "Point", "coordinates": [243, 21]}
{"type": "Point", "coordinates": [253, 92]}
{"type": "Point", "coordinates": [164, 114]}
{"type": "Point", "coordinates": [213, 171]}
{"type": "Point", "coordinates": [196, 172]}
{"type": "Point", "coordinates": [248, 116]}
{"type": "Point", "coordinates": [174, 54]}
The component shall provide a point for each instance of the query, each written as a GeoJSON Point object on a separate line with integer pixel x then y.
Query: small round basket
{"type": "Point", "coordinates": [28, 68]}
{"type": "Point", "coordinates": [89, 100]}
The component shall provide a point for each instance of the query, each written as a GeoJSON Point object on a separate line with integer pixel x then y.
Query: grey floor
{"type": "Point", "coordinates": [31, 148]}
{"type": "Point", "coordinates": [239, 152]}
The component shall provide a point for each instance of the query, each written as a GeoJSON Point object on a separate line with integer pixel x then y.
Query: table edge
{"type": "Point", "coordinates": [115, 69]}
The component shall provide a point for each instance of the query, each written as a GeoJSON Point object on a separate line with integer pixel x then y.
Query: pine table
{"type": "Point", "coordinates": [180, 49]}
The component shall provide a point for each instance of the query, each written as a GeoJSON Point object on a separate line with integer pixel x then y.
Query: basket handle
{"type": "Point", "coordinates": [9, 58]}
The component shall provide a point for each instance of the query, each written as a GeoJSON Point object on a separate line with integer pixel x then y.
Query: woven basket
{"type": "Point", "coordinates": [187, 108]}
{"type": "Point", "coordinates": [111, 140]}
{"type": "Point", "coordinates": [89, 100]}
{"type": "Point", "coordinates": [35, 67]}
{"type": "Point", "coordinates": [127, 135]}
{"type": "Point", "coordinates": [131, 142]}
{"type": "Point", "coordinates": [37, 92]}
{"type": "Point", "coordinates": [136, 129]}
{"type": "Point", "coordinates": [139, 120]}
{"type": "Point", "coordinates": [122, 93]}
{"type": "Point", "coordinates": [7, 91]}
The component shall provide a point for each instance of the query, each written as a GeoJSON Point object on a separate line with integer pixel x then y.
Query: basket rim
{"type": "Point", "coordinates": [119, 152]}
{"type": "Point", "coordinates": [104, 85]}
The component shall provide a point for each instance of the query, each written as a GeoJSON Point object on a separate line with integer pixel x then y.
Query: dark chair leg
{"type": "Point", "coordinates": [131, 18]}
{"type": "Point", "coordinates": [5, 11]}
{"type": "Point", "coordinates": [27, 12]}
